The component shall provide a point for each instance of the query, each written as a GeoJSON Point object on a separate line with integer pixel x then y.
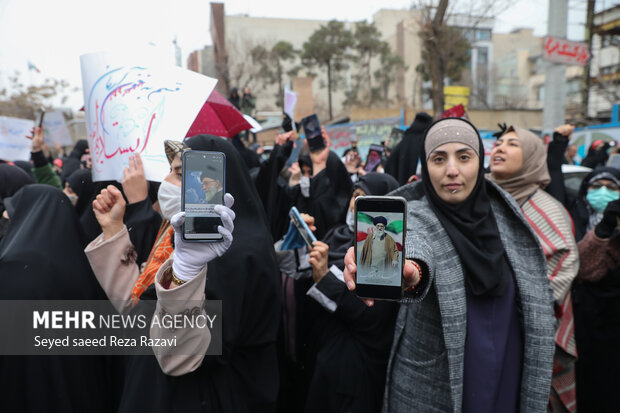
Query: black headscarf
{"type": "Point", "coordinates": [473, 230]}
{"type": "Point", "coordinates": [375, 183]}
{"type": "Point", "coordinates": [330, 192]}
{"type": "Point", "coordinates": [340, 238]}
{"type": "Point", "coordinates": [81, 182]}
{"type": "Point", "coordinates": [579, 208]}
{"type": "Point", "coordinates": [402, 162]}
{"type": "Point", "coordinates": [12, 178]}
{"type": "Point", "coordinates": [26, 167]}
{"type": "Point", "coordinates": [42, 258]}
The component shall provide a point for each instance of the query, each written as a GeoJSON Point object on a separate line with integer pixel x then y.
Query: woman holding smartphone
{"type": "Point", "coordinates": [475, 329]}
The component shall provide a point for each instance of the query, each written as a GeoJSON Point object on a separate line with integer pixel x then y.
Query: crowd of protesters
{"type": "Point", "coordinates": [511, 295]}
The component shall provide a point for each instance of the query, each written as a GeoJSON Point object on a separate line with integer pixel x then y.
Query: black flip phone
{"type": "Point", "coordinates": [203, 187]}
{"type": "Point", "coordinates": [380, 227]}
{"type": "Point", "coordinates": [314, 136]}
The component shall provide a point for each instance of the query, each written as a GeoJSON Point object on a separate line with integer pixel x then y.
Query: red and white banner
{"type": "Point", "coordinates": [565, 52]}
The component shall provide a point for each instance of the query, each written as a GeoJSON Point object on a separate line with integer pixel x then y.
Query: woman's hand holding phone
{"type": "Point", "coordinates": [318, 260]}
{"type": "Point", "coordinates": [410, 274]}
{"type": "Point", "coordinates": [189, 258]}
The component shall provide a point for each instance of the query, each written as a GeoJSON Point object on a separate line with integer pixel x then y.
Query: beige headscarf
{"type": "Point", "coordinates": [533, 174]}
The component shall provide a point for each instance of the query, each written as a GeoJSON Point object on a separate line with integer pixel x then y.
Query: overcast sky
{"type": "Point", "coordinates": [53, 34]}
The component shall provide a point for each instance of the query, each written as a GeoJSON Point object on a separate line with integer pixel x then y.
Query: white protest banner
{"type": "Point", "coordinates": [290, 100]}
{"type": "Point", "coordinates": [132, 106]}
{"type": "Point", "coordinates": [56, 130]}
{"type": "Point", "coordinates": [14, 146]}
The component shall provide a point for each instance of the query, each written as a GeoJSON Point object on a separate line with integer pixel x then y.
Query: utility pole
{"type": "Point", "coordinates": [585, 80]}
{"type": "Point", "coordinates": [554, 113]}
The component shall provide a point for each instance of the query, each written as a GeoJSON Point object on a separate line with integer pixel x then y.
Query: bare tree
{"type": "Point", "coordinates": [438, 43]}
{"type": "Point", "coordinates": [19, 100]}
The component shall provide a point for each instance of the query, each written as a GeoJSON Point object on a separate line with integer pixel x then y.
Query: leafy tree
{"type": "Point", "coordinates": [368, 45]}
{"type": "Point", "coordinates": [391, 65]}
{"type": "Point", "coordinates": [271, 65]}
{"type": "Point", "coordinates": [327, 48]}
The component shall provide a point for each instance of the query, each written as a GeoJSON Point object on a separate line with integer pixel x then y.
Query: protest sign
{"type": "Point", "coordinates": [56, 130]}
{"type": "Point", "coordinates": [368, 132]}
{"type": "Point", "coordinates": [290, 100]}
{"type": "Point", "coordinates": [132, 106]}
{"type": "Point", "coordinates": [14, 146]}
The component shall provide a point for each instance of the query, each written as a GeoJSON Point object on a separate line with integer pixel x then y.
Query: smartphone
{"type": "Point", "coordinates": [203, 187]}
{"type": "Point", "coordinates": [380, 228]}
{"type": "Point", "coordinates": [302, 227]}
{"type": "Point", "coordinates": [395, 137]}
{"type": "Point", "coordinates": [314, 136]}
{"type": "Point", "coordinates": [375, 152]}
{"type": "Point", "coordinates": [40, 116]}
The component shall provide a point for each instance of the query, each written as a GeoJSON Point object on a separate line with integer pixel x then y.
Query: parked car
{"type": "Point", "coordinates": [573, 175]}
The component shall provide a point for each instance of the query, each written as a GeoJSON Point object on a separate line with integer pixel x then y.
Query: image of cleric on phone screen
{"type": "Point", "coordinates": [379, 248]}
{"type": "Point", "coordinates": [204, 187]}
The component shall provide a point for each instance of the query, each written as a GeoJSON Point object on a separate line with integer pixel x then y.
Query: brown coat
{"type": "Point", "coordinates": [113, 262]}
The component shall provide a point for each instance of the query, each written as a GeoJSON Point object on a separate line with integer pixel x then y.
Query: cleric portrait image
{"type": "Point", "coordinates": [379, 248]}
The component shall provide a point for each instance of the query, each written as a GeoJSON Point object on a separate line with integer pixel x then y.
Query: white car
{"type": "Point", "coordinates": [573, 175]}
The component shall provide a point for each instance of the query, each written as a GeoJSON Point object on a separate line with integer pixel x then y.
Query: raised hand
{"type": "Point", "coordinates": [318, 260]}
{"type": "Point", "coordinates": [37, 136]}
{"type": "Point", "coordinates": [135, 186]}
{"type": "Point", "coordinates": [109, 207]}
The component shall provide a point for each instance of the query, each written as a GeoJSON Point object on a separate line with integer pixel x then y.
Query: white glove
{"type": "Point", "coordinates": [189, 258]}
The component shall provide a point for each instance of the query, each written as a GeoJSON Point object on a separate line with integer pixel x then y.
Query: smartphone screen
{"type": "Point", "coordinates": [203, 189]}
{"type": "Point", "coordinates": [373, 159]}
{"type": "Point", "coordinates": [312, 130]}
{"type": "Point", "coordinates": [302, 227]}
{"type": "Point", "coordinates": [379, 246]}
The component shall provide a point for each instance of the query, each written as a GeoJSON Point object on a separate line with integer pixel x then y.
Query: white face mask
{"type": "Point", "coordinates": [169, 197]}
{"type": "Point", "coordinates": [304, 184]}
{"type": "Point", "coordinates": [350, 220]}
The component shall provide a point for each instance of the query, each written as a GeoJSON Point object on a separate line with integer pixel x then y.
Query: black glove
{"type": "Point", "coordinates": [605, 228]}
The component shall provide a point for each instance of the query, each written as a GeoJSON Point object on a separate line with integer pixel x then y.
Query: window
{"type": "Point", "coordinates": [483, 34]}
{"type": "Point", "coordinates": [541, 94]}
{"type": "Point", "coordinates": [483, 55]}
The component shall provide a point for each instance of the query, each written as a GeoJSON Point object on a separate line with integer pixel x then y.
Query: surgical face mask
{"type": "Point", "coordinates": [350, 220]}
{"type": "Point", "coordinates": [169, 197]}
{"type": "Point", "coordinates": [304, 184]}
{"type": "Point", "coordinates": [599, 198]}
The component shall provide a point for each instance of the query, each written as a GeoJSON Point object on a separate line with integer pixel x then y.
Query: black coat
{"type": "Point", "coordinates": [246, 279]}
{"type": "Point", "coordinates": [42, 258]}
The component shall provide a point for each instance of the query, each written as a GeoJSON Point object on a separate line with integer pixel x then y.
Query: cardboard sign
{"type": "Point", "coordinates": [133, 106]}
{"type": "Point", "coordinates": [14, 146]}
